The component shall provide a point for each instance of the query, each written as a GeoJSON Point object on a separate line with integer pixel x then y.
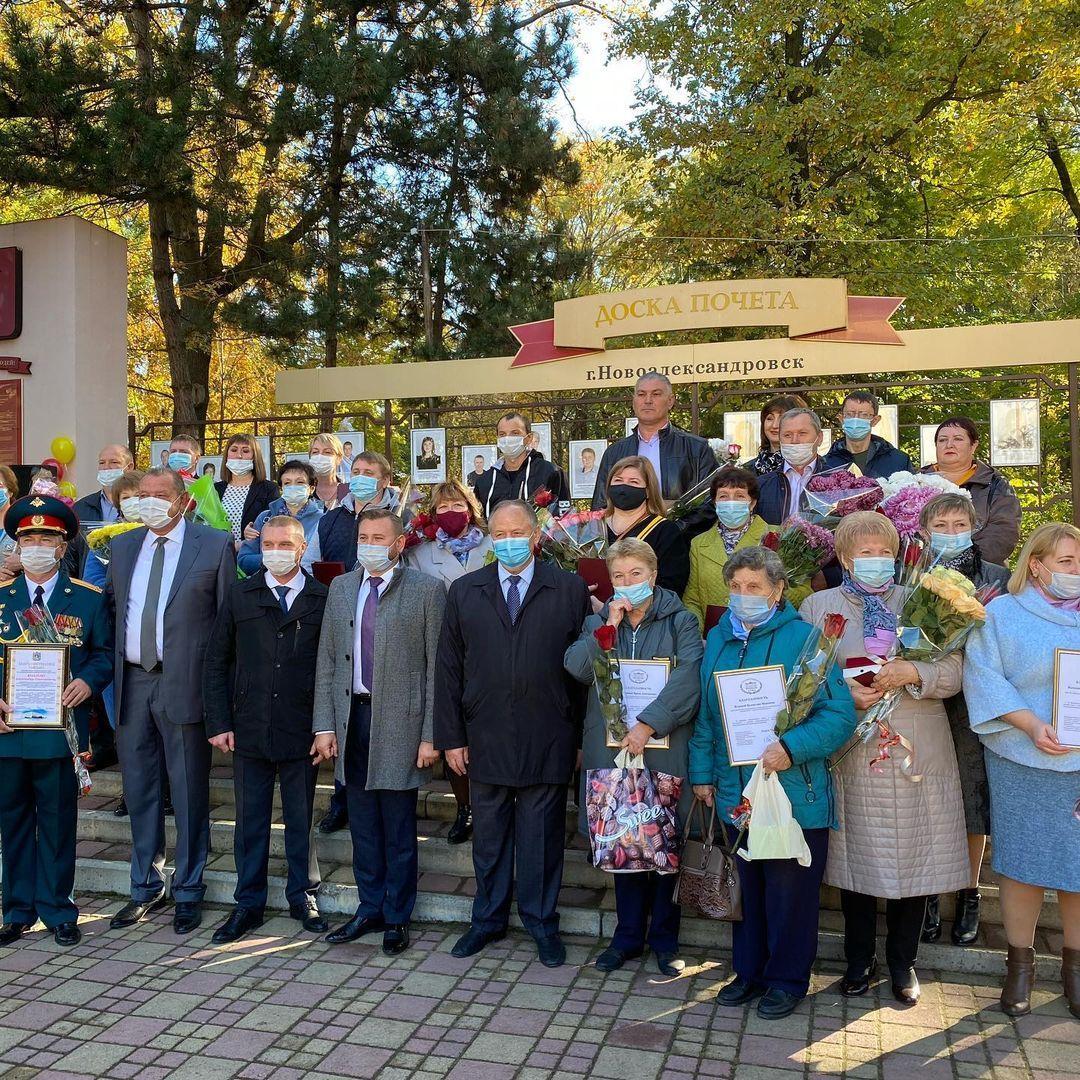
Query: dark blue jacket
{"type": "Point", "coordinates": [83, 619]}
{"type": "Point", "coordinates": [884, 458]}
{"type": "Point", "coordinates": [830, 724]}
{"type": "Point", "coordinates": [774, 495]}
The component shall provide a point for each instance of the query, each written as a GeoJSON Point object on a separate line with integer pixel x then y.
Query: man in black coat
{"type": "Point", "coordinates": [679, 459]}
{"type": "Point", "coordinates": [521, 470]}
{"type": "Point", "coordinates": [507, 712]}
{"type": "Point", "coordinates": [262, 655]}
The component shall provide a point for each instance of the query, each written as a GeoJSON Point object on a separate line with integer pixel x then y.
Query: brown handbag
{"type": "Point", "coordinates": [708, 878]}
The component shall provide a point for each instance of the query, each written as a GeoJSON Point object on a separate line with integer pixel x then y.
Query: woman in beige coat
{"type": "Point", "coordinates": [901, 839]}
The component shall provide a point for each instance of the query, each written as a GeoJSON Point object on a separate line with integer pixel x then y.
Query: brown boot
{"type": "Point", "coordinates": [1019, 980]}
{"type": "Point", "coordinates": [1070, 979]}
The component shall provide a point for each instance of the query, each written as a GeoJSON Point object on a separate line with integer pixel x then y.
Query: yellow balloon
{"type": "Point", "coordinates": [68, 488]}
{"type": "Point", "coordinates": [63, 449]}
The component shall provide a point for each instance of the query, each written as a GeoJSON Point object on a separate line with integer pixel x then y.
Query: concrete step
{"type": "Point", "coordinates": [445, 898]}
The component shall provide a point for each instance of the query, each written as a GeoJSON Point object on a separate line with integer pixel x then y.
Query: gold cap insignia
{"type": "Point", "coordinates": [37, 501]}
{"type": "Point", "coordinates": [37, 519]}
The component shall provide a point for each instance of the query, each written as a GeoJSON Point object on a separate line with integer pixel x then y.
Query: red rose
{"type": "Point", "coordinates": [606, 636]}
{"type": "Point", "coordinates": [834, 625]}
{"type": "Point", "coordinates": [430, 531]}
{"type": "Point", "coordinates": [771, 541]}
{"type": "Point", "coordinates": [543, 498]}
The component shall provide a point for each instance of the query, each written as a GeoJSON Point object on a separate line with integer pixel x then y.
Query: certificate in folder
{"type": "Point", "coordinates": [713, 614]}
{"type": "Point", "coordinates": [325, 572]}
{"type": "Point", "coordinates": [594, 572]}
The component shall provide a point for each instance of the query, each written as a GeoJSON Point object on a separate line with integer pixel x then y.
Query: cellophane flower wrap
{"type": "Point", "coordinates": [100, 540]}
{"type": "Point", "coordinates": [206, 507]}
{"type": "Point", "coordinates": [566, 540]}
{"type": "Point", "coordinates": [726, 455]}
{"type": "Point", "coordinates": [832, 495]}
{"type": "Point", "coordinates": [941, 607]}
{"type": "Point", "coordinates": [804, 548]}
{"type": "Point", "coordinates": [38, 627]}
{"type": "Point", "coordinates": [809, 672]}
{"type": "Point", "coordinates": [632, 818]}
{"type": "Point", "coordinates": [898, 481]}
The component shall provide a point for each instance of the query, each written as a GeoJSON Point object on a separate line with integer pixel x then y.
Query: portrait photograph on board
{"type": "Point", "coordinates": [1014, 432]}
{"type": "Point", "coordinates": [427, 457]}
{"type": "Point", "coordinates": [584, 460]}
{"type": "Point", "coordinates": [476, 460]}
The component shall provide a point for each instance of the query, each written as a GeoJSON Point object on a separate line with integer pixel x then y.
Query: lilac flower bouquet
{"type": "Point", "coordinates": [839, 493]}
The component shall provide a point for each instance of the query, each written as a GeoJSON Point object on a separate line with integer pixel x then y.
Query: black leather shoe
{"type": "Point", "coordinates": [461, 830]}
{"type": "Point", "coordinates": [551, 950]}
{"type": "Point", "coordinates": [905, 987]}
{"type": "Point", "coordinates": [473, 940]}
{"type": "Point", "coordinates": [965, 927]}
{"type": "Point", "coordinates": [856, 983]}
{"type": "Point", "coordinates": [134, 911]}
{"type": "Point", "coordinates": [611, 959]}
{"type": "Point", "coordinates": [739, 992]}
{"type": "Point", "coordinates": [187, 917]}
{"type": "Point", "coordinates": [776, 1004]}
{"type": "Point", "coordinates": [67, 933]}
{"type": "Point", "coordinates": [12, 931]}
{"type": "Point", "coordinates": [931, 924]}
{"type": "Point", "coordinates": [356, 927]}
{"type": "Point", "coordinates": [310, 917]}
{"type": "Point", "coordinates": [240, 922]}
{"type": "Point", "coordinates": [120, 810]}
{"type": "Point", "coordinates": [334, 820]}
{"type": "Point", "coordinates": [670, 964]}
{"type": "Point", "coordinates": [395, 940]}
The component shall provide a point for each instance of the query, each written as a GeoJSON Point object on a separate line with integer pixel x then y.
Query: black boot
{"type": "Point", "coordinates": [931, 927]}
{"type": "Point", "coordinates": [965, 927]}
{"type": "Point", "coordinates": [461, 830]}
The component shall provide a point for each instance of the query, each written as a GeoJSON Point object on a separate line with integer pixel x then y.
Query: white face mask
{"type": "Point", "coordinates": [240, 466]}
{"type": "Point", "coordinates": [323, 464]}
{"type": "Point", "coordinates": [129, 507]}
{"type": "Point", "coordinates": [280, 563]}
{"type": "Point", "coordinates": [374, 558]}
{"type": "Point", "coordinates": [797, 454]}
{"type": "Point", "coordinates": [511, 445]}
{"type": "Point", "coordinates": [1061, 586]}
{"type": "Point", "coordinates": [105, 477]}
{"type": "Point", "coordinates": [38, 560]}
{"type": "Point", "coordinates": [157, 513]}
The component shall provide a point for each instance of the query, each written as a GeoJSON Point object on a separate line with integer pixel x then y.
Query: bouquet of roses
{"type": "Point", "coordinates": [726, 455]}
{"type": "Point", "coordinates": [810, 671]}
{"type": "Point", "coordinates": [803, 548]}
{"type": "Point", "coordinates": [420, 529]}
{"type": "Point", "coordinates": [38, 627]}
{"type": "Point", "coordinates": [100, 540]}
{"type": "Point", "coordinates": [579, 535]}
{"type": "Point", "coordinates": [608, 679]}
{"type": "Point", "coordinates": [832, 495]}
{"type": "Point", "coordinates": [905, 504]}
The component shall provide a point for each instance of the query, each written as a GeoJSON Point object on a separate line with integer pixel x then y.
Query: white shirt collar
{"type": "Point", "coordinates": [46, 587]}
{"type": "Point", "coordinates": [789, 468]}
{"type": "Point", "coordinates": [525, 574]}
{"type": "Point", "coordinates": [385, 576]}
{"type": "Point", "coordinates": [175, 533]}
{"type": "Point", "coordinates": [294, 585]}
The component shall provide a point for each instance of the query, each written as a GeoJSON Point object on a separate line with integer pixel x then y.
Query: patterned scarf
{"type": "Point", "coordinates": [768, 461]}
{"type": "Point", "coordinates": [968, 563]}
{"type": "Point", "coordinates": [731, 537]}
{"type": "Point", "coordinates": [460, 546]}
{"type": "Point", "coordinates": [879, 623]}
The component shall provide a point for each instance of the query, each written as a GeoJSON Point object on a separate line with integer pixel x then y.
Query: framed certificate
{"type": "Point", "coordinates": [1066, 720]}
{"type": "Point", "coordinates": [750, 701]}
{"type": "Point", "coordinates": [34, 681]}
{"type": "Point", "coordinates": [642, 681]}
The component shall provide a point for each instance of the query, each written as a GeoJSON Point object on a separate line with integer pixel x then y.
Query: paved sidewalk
{"type": "Point", "coordinates": [145, 1004]}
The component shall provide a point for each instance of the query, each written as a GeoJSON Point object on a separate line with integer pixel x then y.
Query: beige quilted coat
{"type": "Point", "coordinates": [898, 838]}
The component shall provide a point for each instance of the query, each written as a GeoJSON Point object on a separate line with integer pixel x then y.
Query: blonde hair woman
{"type": "Point", "coordinates": [635, 510]}
{"type": "Point", "coordinates": [1034, 780]}
{"type": "Point", "coordinates": [325, 455]}
{"type": "Point", "coordinates": [899, 839]}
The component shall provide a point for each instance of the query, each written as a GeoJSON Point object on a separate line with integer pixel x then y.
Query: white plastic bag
{"type": "Point", "coordinates": [773, 833]}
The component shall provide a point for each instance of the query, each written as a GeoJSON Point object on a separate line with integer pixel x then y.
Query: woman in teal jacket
{"type": "Point", "coordinates": [775, 944]}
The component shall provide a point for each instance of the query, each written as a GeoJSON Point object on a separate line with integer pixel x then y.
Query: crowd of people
{"type": "Point", "coordinates": [470, 653]}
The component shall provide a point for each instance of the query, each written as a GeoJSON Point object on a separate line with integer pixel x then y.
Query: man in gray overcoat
{"type": "Point", "coordinates": [373, 714]}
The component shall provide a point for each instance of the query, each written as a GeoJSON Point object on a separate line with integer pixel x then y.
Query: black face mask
{"type": "Point", "coordinates": [625, 497]}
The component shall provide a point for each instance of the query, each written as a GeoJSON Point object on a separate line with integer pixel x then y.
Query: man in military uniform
{"type": "Point", "coordinates": [38, 787]}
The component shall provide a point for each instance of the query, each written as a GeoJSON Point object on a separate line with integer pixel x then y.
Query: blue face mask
{"type": "Point", "coordinates": [732, 512]}
{"type": "Point", "coordinates": [855, 427]}
{"type": "Point", "coordinates": [179, 461]}
{"type": "Point", "coordinates": [749, 609]}
{"type": "Point", "coordinates": [363, 487]}
{"type": "Point", "coordinates": [949, 544]}
{"type": "Point", "coordinates": [3, 497]}
{"type": "Point", "coordinates": [634, 594]}
{"type": "Point", "coordinates": [513, 551]}
{"type": "Point", "coordinates": [874, 571]}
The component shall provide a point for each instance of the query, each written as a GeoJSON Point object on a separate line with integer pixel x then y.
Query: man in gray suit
{"type": "Point", "coordinates": [373, 712]}
{"type": "Point", "coordinates": [165, 584]}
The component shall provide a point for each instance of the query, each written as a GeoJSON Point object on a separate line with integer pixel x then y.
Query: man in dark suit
{"type": "Point", "coordinates": [258, 682]}
{"type": "Point", "coordinates": [165, 585]}
{"type": "Point", "coordinates": [781, 493]}
{"type": "Point", "coordinates": [507, 713]}
{"type": "Point", "coordinates": [113, 461]}
{"type": "Point", "coordinates": [373, 713]}
{"type": "Point", "coordinates": [38, 787]}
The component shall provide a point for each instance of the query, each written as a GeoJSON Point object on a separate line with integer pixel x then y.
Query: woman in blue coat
{"type": "Point", "coordinates": [775, 944]}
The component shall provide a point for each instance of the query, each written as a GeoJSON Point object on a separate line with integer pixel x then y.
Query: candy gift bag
{"type": "Point", "coordinates": [633, 825]}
